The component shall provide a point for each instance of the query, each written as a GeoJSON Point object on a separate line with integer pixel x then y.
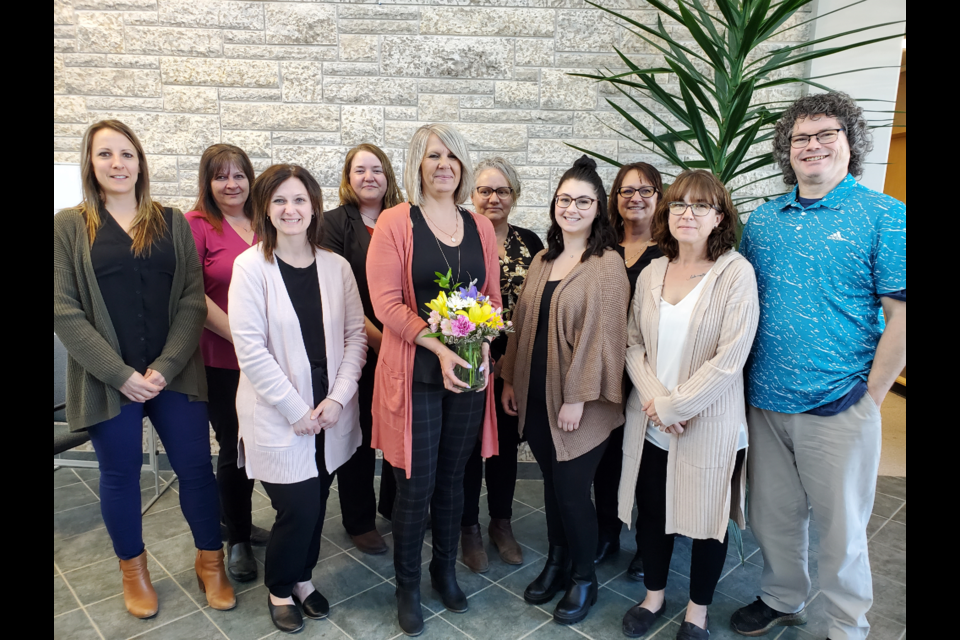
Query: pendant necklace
{"type": "Point", "coordinates": [453, 236]}
{"type": "Point", "coordinates": [628, 260]}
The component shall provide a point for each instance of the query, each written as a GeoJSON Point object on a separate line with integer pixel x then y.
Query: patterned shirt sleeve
{"type": "Point", "coordinates": [890, 264]}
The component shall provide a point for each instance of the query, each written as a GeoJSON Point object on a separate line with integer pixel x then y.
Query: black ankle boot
{"type": "Point", "coordinates": [444, 581]}
{"type": "Point", "coordinates": [552, 579]}
{"type": "Point", "coordinates": [409, 614]}
{"type": "Point", "coordinates": [576, 602]}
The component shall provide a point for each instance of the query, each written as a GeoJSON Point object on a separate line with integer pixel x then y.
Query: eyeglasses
{"type": "Point", "coordinates": [699, 209]}
{"type": "Point", "coordinates": [583, 202]}
{"type": "Point", "coordinates": [645, 191]}
{"type": "Point", "coordinates": [502, 192]}
{"type": "Point", "coordinates": [824, 137]}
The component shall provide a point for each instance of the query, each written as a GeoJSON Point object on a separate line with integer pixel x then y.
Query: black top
{"type": "Point", "coordinates": [136, 290]}
{"type": "Point", "coordinates": [303, 287]}
{"type": "Point", "coordinates": [345, 234]}
{"type": "Point", "coordinates": [520, 247]}
{"type": "Point", "coordinates": [633, 271]}
{"type": "Point", "coordinates": [431, 256]}
{"type": "Point", "coordinates": [538, 362]}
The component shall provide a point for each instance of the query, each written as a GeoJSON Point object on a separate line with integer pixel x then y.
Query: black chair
{"type": "Point", "coordinates": [65, 440]}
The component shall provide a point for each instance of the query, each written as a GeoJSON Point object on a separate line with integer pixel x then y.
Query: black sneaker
{"type": "Point", "coordinates": [758, 619]}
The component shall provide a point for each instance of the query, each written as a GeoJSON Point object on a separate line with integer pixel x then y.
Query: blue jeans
{"type": "Point", "coordinates": [183, 428]}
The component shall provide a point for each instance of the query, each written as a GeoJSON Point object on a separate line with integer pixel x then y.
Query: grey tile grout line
{"type": "Point", "coordinates": [440, 617]}
{"type": "Point", "coordinates": [359, 593]}
{"type": "Point", "coordinates": [188, 594]}
{"type": "Point", "coordinates": [77, 598]}
{"type": "Point", "coordinates": [88, 486]}
{"type": "Point", "coordinates": [535, 629]}
{"type": "Point", "coordinates": [885, 522]}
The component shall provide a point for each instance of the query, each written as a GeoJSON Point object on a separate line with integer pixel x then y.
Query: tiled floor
{"type": "Point", "coordinates": [88, 602]}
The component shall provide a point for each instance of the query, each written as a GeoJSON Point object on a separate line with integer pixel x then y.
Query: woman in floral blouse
{"type": "Point", "coordinates": [497, 191]}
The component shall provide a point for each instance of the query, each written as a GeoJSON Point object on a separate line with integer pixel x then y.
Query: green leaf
{"type": "Point", "coordinates": [820, 53]}
{"type": "Point", "coordinates": [716, 55]}
{"type": "Point", "coordinates": [757, 163]}
{"type": "Point", "coordinates": [781, 13]}
{"type": "Point", "coordinates": [817, 41]}
{"type": "Point", "coordinates": [667, 150]}
{"type": "Point", "coordinates": [731, 13]}
{"type": "Point", "coordinates": [695, 88]}
{"type": "Point", "coordinates": [696, 123]}
{"type": "Point", "coordinates": [730, 127]}
{"type": "Point", "coordinates": [749, 39]}
{"type": "Point", "coordinates": [733, 160]}
{"type": "Point", "coordinates": [816, 17]}
{"type": "Point", "coordinates": [594, 154]}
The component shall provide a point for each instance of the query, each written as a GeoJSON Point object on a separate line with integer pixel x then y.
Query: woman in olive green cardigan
{"type": "Point", "coordinates": [129, 306]}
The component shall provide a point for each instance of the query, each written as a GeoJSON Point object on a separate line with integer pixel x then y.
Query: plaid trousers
{"type": "Point", "coordinates": [446, 426]}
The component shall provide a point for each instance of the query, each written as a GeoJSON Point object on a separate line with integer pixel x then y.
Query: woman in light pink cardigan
{"type": "Point", "coordinates": [297, 325]}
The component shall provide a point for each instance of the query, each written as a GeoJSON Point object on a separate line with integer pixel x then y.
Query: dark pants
{"type": "Point", "coordinates": [358, 502]}
{"type": "Point", "coordinates": [235, 487]}
{"type": "Point", "coordinates": [606, 488]}
{"type": "Point", "coordinates": [445, 427]}
{"type": "Point", "coordinates": [708, 557]}
{"type": "Point", "coordinates": [182, 427]}
{"type": "Point", "coordinates": [294, 546]}
{"type": "Point", "coordinates": [501, 470]}
{"type": "Point", "coordinates": [571, 517]}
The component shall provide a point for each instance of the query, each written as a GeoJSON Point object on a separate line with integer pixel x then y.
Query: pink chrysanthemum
{"type": "Point", "coordinates": [461, 326]}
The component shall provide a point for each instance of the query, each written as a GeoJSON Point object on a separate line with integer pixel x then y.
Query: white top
{"type": "Point", "coordinates": [674, 325]}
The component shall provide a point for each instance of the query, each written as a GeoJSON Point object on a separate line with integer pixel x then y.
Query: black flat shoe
{"type": "Point", "coordinates": [635, 570]}
{"type": "Point", "coordinates": [639, 621]}
{"type": "Point", "coordinates": [606, 549]}
{"type": "Point", "coordinates": [241, 565]}
{"type": "Point", "coordinates": [444, 582]}
{"type": "Point", "coordinates": [286, 617]}
{"type": "Point", "coordinates": [409, 613]}
{"type": "Point", "coordinates": [690, 631]}
{"type": "Point", "coordinates": [315, 606]}
{"type": "Point", "coordinates": [552, 578]}
{"type": "Point", "coordinates": [576, 602]}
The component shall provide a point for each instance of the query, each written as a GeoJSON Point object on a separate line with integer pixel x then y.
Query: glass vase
{"type": "Point", "coordinates": [476, 376]}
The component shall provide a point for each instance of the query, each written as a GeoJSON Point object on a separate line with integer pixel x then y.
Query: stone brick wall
{"type": "Point", "coordinates": [304, 81]}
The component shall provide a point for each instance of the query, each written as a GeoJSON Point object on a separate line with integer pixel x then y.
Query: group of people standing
{"type": "Point", "coordinates": [302, 337]}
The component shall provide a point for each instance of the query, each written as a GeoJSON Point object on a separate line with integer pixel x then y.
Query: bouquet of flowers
{"type": "Point", "coordinates": [462, 319]}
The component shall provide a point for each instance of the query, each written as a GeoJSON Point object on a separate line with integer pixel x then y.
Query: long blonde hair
{"type": "Point", "coordinates": [148, 224]}
{"type": "Point", "coordinates": [452, 139]}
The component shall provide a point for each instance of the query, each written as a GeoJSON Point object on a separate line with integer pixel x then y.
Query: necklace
{"type": "Point", "coordinates": [373, 221]}
{"type": "Point", "coordinates": [453, 236]}
{"type": "Point", "coordinates": [442, 253]}
{"type": "Point", "coordinates": [628, 260]}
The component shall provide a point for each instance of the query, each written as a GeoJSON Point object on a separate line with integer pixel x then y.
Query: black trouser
{"type": "Point", "coordinates": [706, 563]}
{"type": "Point", "coordinates": [445, 427]}
{"type": "Point", "coordinates": [358, 502]}
{"type": "Point", "coordinates": [606, 488]}
{"type": "Point", "coordinates": [233, 484]}
{"type": "Point", "coordinates": [571, 517]}
{"type": "Point", "coordinates": [501, 470]}
{"type": "Point", "coordinates": [294, 546]}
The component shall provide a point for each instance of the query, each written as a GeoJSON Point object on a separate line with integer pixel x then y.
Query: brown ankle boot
{"type": "Point", "coordinates": [474, 555]}
{"type": "Point", "coordinates": [501, 535]}
{"type": "Point", "coordinates": [138, 593]}
{"type": "Point", "coordinates": [212, 580]}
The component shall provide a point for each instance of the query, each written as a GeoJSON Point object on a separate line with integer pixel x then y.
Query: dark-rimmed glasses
{"type": "Point", "coordinates": [826, 136]}
{"type": "Point", "coordinates": [583, 202]}
{"type": "Point", "coordinates": [502, 192]}
{"type": "Point", "coordinates": [645, 191]}
{"type": "Point", "coordinates": [699, 209]}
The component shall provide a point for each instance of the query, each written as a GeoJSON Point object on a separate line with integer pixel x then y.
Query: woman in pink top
{"type": "Point", "coordinates": [222, 225]}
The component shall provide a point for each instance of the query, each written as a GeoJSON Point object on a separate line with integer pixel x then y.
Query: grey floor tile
{"type": "Point", "coordinates": [382, 564]}
{"type": "Point", "coordinates": [101, 580]}
{"type": "Point", "coordinates": [513, 617]}
{"type": "Point", "coordinates": [73, 522]}
{"type": "Point", "coordinates": [72, 496]}
{"type": "Point", "coordinates": [341, 577]}
{"type": "Point", "coordinates": [889, 599]}
{"type": "Point", "coordinates": [373, 614]}
{"type": "Point", "coordinates": [469, 582]}
{"type": "Point", "coordinates": [612, 567]}
{"type": "Point", "coordinates": [334, 509]}
{"type": "Point", "coordinates": [249, 620]}
{"type": "Point", "coordinates": [63, 600]}
{"type": "Point", "coordinates": [741, 583]}
{"type": "Point", "coordinates": [720, 612]}
{"type": "Point", "coordinates": [531, 531]}
{"type": "Point", "coordinates": [677, 592]}
{"type": "Point", "coordinates": [175, 554]}
{"type": "Point", "coordinates": [78, 551]}
{"type": "Point", "coordinates": [888, 562]}
{"type": "Point", "coordinates": [163, 525]}
{"type": "Point", "coordinates": [317, 630]}
{"type": "Point", "coordinates": [606, 617]}
{"type": "Point", "coordinates": [195, 626]}
{"type": "Point", "coordinates": [517, 582]}
{"type": "Point", "coordinates": [892, 486]}
{"type": "Point", "coordinates": [116, 623]}
{"type": "Point", "coordinates": [64, 476]}
{"type": "Point", "coordinates": [901, 515]}
{"type": "Point", "coordinates": [750, 544]}
{"type": "Point", "coordinates": [893, 535]}
{"type": "Point", "coordinates": [884, 505]}
{"type": "Point", "coordinates": [883, 629]}
{"type": "Point", "coordinates": [264, 517]}
{"type": "Point", "coordinates": [529, 492]}
{"type": "Point", "coordinates": [875, 524]}
{"type": "Point", "coordinates": [550, 630]}
{"type": "Point", "coordinates": [74, 626]}
{"type": "Point", "coordinates": [167, 500]}
{"type": "Point", "coordinates": [519, 510]}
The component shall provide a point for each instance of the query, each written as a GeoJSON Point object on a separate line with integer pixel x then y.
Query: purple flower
{"type": "Point", "coordinates": [469, 293]}
{"type": "Point", "coordinates": [461, 327]}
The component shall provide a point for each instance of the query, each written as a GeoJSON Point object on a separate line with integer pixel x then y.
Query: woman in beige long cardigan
{"type": "Point", "coordinates": [692, 322]}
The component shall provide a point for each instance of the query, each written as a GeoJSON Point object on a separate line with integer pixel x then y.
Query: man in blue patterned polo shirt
{"type": "Point", "coordinates": [828, 256]}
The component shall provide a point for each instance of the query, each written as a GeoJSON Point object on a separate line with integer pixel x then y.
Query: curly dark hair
{"type": "Point", "coordinates": [602, 235]}
{"type": "Point", "coordinates": [832, 105]}
{"type": "Point", "coordinates": [700, 186]}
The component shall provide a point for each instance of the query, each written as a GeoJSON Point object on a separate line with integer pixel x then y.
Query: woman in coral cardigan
{"type": "Point", "coordinates": [423, 421]}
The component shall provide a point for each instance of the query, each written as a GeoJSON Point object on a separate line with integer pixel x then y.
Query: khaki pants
{"type": "Point", "coordinates": [800, 462]}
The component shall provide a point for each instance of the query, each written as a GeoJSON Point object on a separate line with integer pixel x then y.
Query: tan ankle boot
{"type": "Point", "coordinates": [474, 555]}
{"type": "Point", "coordinates": [138, 593]}
{"type": "Point", "coordinates": [212, 580]}
{"type": "Point", "coordinates": [501, 535]}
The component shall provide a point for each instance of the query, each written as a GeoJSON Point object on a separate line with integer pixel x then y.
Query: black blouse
{"type": "Point", "coordinates": [303, 287]}
{"type": "Point", "coordinates": [520, 247]}
{"type": "Point", "coordinates": [135, 289]}
{"type": "Point", "coordinates": [538, 361]}
{"type": "Point", "coordinates": [431, 256]}
{"type": "Point", "coordinates": [633, 271]}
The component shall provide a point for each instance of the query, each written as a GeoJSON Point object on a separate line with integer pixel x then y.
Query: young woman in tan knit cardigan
{"type": "Point", "coordinates": [692, 322]}
{"type": "Point", "coordinates": [562, 374]}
